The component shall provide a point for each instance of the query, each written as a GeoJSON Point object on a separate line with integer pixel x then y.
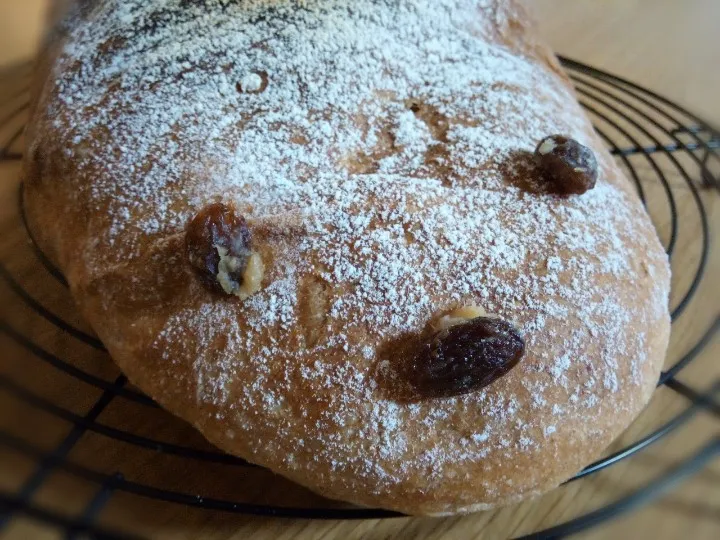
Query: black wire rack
{"type": "Point", "coordinates": [660, 145]}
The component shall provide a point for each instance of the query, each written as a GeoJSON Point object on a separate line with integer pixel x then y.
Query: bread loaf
{"type": "Point", "coordinates": [374, 164]}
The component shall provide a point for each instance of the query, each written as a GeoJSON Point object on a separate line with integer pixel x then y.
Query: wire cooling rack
{"type": "Point", "coordinates": [665, 150]}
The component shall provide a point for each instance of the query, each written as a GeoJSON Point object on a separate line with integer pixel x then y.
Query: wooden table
{"type": "Point", "coordinates": [670, 46]}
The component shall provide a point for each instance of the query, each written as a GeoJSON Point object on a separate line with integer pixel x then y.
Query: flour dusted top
{"type": "Point", "coordinates": [381, 150]}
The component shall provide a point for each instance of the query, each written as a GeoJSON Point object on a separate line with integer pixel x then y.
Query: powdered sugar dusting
{"type": "Point", "coordinates": [429, 219]}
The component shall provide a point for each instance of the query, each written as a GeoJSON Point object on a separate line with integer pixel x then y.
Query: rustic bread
{"type": "Point", "coordinates": [380, 153]}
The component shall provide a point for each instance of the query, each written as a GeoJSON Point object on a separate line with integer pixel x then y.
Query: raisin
{"type": "Point", "coordinates": [217, 243]}
{"type": "Point", "coordinates": [466, 357]}
{"type": "Point", "coordinates": [567, 166]}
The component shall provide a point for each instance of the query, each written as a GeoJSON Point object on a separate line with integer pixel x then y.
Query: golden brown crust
{"type": "Point", "coordinates": [382, 192]}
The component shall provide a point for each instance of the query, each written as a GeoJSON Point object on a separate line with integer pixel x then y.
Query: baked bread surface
{"type": "Point", "coordinates": [381, 152]}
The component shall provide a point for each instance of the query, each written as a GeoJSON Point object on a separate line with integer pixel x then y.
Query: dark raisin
{"type": "Point", "coordinates": [567, 166]}
{"type": "Point", "coordinates": [217, 242]}
{"type": "Point", "coordinates": [466, 357]}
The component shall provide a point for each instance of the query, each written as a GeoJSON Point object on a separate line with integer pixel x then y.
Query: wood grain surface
{"type": "Point", "coordinates": [670, 46]}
